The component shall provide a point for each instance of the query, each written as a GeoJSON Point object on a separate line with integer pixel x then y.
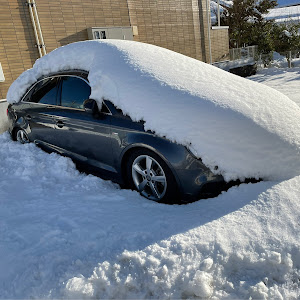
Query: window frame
{"type": "Point", "coordinates": [30, 91]}
{"type": "Point", "coordinates": [60, 91]}
{"type": "Point", "coordinates": [58, 96]}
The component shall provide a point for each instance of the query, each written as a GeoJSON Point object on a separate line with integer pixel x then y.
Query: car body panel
{"type": "Point", "coordinates": [90, 136]}
{"type": "Point", "coordinates": [40, 119]}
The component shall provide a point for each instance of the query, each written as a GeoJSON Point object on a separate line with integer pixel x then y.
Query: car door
{"type": "Point", "coordinates": [82, 135]}
{"type": "Point", "coordinates": [41, 104]}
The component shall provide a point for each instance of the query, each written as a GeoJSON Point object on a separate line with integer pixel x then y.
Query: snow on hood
{"type": "Point", "coordinates": [243, 127]}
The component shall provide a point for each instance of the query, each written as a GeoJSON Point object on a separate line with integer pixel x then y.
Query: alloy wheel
{"type": "Point", "coordinates": [149, 177]}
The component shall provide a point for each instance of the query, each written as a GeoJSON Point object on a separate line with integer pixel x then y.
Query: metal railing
{"type": "Point", "coordinates": [249, 52]}
{"type": "Point", "coordinates": [288, 59]}
{"type": "Point", "coordinates": [249, 55]}
{"type": "Point", "coordinates": [238, 57]}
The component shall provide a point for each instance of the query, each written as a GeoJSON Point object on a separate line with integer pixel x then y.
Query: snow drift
{"type": "Point", "coordinates": [65, 235]}
{"type": "Point", "coordinates": [250, 253]}
{"type": "Point", "coordinates": [244, 128]}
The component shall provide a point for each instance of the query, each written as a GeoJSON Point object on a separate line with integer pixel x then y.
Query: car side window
{"type": "Point", "coordinates": [45, 92]}
{"type": "Point", "coordinates": [74, 92]}
{"type": "Point", "coordinates": [104, 109]}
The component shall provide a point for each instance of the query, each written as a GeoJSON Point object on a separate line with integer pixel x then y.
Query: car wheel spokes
{"type": "Point", "coordinates": [149, 177]}
{"type": "Point", "coordinates": [161, 179]}
{"type": "Point", "coordinates": [138, 169]}
{"type": "Point", "coordinates": [154, 190]}
{"type": "Point", "coordinates": [142, 185]}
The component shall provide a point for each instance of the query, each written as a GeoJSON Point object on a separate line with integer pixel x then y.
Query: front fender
{"type": "Point", "coordinates": [174, 155]}
{"type": "Point", "coordinates": [171, 152]}
{"type": "Point", "coordinates": [22, 123]}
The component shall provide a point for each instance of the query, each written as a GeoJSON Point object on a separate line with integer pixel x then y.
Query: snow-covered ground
{"type": "Point", "coordinates": [68, 235]}
{"type": "Point", "coordinates": [284, 80]}
{"type": "Point", "coordinates": [65, 234]}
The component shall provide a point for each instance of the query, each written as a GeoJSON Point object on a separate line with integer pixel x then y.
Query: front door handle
{"type": "Point", "coordinates": [28, 117]}
{"type": "Point", "coordinates": [60, 124]}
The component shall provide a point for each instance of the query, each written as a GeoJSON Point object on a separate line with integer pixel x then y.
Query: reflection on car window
{"type": "Point", "coordinates": [74, 92]}
{"type": "Point", "coordinates": [45, 92]}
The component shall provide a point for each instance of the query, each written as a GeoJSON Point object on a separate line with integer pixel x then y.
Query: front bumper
{"type": "Point", "coordinates": [197, 181]}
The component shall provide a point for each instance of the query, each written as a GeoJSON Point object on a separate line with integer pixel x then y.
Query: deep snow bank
{"type": "Point", "coordinates": [67, 235]}
{"type": "Point", "coordinates": [246, 129]}
{"type": "Point", "coordinates": [250, 253]}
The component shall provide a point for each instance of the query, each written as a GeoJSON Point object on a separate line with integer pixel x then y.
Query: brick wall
{"type": "Point", "coordinates": [17, 52]}
{"type": "Point", "coordinates": [166, 23]}
{"type": "Point", "coordinates": [219, 43]}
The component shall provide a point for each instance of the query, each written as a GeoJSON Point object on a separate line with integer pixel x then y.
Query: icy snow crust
{"type": "Point", "coordinates": [246, 129]}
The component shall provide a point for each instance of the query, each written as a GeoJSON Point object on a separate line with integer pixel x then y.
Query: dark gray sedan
{"type": "Point", "coordinates": [57, 114]}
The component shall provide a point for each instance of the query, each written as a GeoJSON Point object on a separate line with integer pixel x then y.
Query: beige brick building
{"type": "Point", "coordinates": [179, 25]}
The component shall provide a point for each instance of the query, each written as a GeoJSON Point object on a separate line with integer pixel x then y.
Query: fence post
{"type": "Point", "coordinates": [290, 59]}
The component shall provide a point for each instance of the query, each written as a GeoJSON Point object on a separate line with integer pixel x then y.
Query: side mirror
{"type": "Point", "coordinates": [90, 106]}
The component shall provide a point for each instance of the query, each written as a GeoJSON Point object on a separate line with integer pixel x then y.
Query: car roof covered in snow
{"type": "Point", "coordinates": [245, 128]}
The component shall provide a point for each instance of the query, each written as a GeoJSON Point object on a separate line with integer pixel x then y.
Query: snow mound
{"type": "Point", "coordinates": [244, 128]}
{"type": "Point", "coordinates": [251, 253]}
{"type": "Point", "coordinates": [65, 235]}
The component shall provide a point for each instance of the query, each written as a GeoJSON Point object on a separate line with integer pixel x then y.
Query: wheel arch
{"type": "Point", "coordinates": [14, 131]}
{"type": "Point", "coordinates": [132, 148]}
{"type": "Point", "coordinates": [20, 123]}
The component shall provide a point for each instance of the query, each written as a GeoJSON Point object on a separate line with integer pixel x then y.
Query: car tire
{"type": "Point", "coordinates": [21, 136]}
{"type": "Point", "coordinates": [151, 177]}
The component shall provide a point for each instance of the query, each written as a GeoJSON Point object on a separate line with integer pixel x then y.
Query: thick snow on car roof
{"type": "Point", "coordinates": [243, 127]}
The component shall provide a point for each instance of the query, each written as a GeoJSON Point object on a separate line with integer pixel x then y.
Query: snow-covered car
{"type": "Point", "coordinates": [167, 125]}
{"type": "Point", "coordinates": [57, 114]}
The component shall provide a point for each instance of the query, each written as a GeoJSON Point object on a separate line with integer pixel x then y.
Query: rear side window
{"type": "Point", "coordinates": [45, 92]}
{"type": "Point", "coordinates": [74, 92]}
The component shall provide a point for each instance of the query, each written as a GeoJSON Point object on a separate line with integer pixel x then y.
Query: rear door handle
{"type": "Point", "coordinates": [60, 124]}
